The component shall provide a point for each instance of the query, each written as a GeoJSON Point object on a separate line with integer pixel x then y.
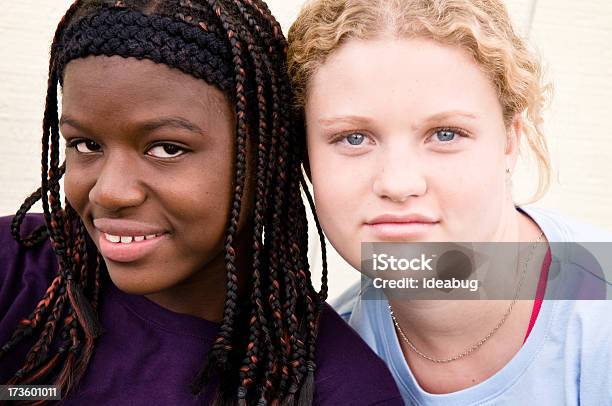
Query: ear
{"type": "Point", "coordinates": [514, 134]}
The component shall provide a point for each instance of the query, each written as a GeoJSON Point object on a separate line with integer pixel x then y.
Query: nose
{"type": "Point", "coordinates": [400, 176]}
{"type": "Point", "coordinates": [117, 185]}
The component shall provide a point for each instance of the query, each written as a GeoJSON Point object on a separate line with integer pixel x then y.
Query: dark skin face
{"type": "Point", "coordinates": [151, 144]}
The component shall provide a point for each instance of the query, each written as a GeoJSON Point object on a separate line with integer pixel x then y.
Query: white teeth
{"type": "Point", "coordinates": [112, 238]}
{"type": "Point", "coordinates": [128, 239]}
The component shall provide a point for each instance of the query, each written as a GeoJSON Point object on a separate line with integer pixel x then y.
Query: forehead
{"type": "Point", "coordinates": [416, 75]}
{"type": "Point", "coordinates": [129, 87]}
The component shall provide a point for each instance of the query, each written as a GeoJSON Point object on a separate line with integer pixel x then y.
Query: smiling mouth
{"type": "Point", "coordinates": [129, 239]}
{"type": "Point", "coordinates": [128, 248]}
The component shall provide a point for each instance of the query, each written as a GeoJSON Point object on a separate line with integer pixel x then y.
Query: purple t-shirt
{"type": "Point", "coordinates": [149, 355]}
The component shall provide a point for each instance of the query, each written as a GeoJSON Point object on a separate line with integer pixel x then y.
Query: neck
{"type": "Point", "coordinates": [443, 329]}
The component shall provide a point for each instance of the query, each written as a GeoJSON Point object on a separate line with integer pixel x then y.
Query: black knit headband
{"type": "Point", "coordinates": [128, 33]}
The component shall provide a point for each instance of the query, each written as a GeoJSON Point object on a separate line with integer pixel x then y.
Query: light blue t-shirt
{"type": "Point", "coordinates": [567, 359]}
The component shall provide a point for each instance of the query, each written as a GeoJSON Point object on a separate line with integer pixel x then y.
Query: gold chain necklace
{"type": "Point", "coordinates": [478, 344]}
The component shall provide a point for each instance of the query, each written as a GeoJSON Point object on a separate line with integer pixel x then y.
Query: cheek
{"type": "Point", "coordinates": [200, 201]}
{"type": "Point", "coordinates": [76, 188]}
{"type": "Point", "coordinates": [339, 193]}
{"type": "Point", "coordinates": [467, 185]}
{"type": "Point", "coordinates": [331, 179]}
{"type": "Point", "coordinates": [338, 212]}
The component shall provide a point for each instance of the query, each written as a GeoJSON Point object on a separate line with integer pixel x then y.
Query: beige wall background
{"type": "Point", "coordinates": [573, 38]}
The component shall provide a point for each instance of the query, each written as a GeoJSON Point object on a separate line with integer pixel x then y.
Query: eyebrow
{"type": "Point", "coordinates": [350, 119]}
{"type": "Point", "coordinates": [147, 126]}
{"type": "Point", "coordinates": [176, 122]}
{"type": "Point", "coordinates": [451, 113]}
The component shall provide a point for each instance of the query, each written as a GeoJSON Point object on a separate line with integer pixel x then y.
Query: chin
{"type": "Point", "coordinates": [134, 284]}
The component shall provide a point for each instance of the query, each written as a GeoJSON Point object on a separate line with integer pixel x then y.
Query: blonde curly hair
{"type": "Point", "coordinates": [480, 27]}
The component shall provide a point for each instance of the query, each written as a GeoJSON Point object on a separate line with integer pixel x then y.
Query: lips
{"type": "Point", "coordinates": [402, 218]}
{"type": "Point", "coordinates": [129, 252]}
{"type": "Point", "coordinates": [124, 227]}
{"type": "Point", "coordinates": [124, 240]}
{"type": "Point", "coordinates": [391, 227]}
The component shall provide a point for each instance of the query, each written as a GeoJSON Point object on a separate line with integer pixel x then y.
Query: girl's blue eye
{"type": "Point", "coordinates": [445, 135]}
{"type": "Point", "coordinates": [355, 139]}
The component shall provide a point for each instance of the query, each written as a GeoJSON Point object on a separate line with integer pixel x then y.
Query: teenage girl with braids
{"type": "Point", "coordinates": [415, 111]}
{"type": "Point", "coordinates": [175, 273]}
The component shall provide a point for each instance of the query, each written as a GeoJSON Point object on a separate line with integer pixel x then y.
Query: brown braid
{"type": "Point", "coordinates": [264, 351]}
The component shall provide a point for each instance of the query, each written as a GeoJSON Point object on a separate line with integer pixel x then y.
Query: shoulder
{"type": "Point", "coordinates": [562, 228]}
{"type": "Point", "coordinates": [589, 319]}
{"type": "Point", "coordinates": [25, 274]}
{"type": "Point", "coordinates": [585, 327]}
{"type": "Point", "coordinates": [581, 255]}
{"type": "Point", "coordinates": [16, 260]}
{"type": "Point", "coordinates": [348, 371]}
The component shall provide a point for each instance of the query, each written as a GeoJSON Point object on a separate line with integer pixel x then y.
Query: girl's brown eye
{"type": "Point", "coordinates": [167, 151]}
{"type": "Point", "coordinates": [84, 146]}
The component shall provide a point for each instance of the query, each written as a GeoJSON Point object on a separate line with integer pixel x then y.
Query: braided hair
{"type": "Point", "coordinates": [265, 348]}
